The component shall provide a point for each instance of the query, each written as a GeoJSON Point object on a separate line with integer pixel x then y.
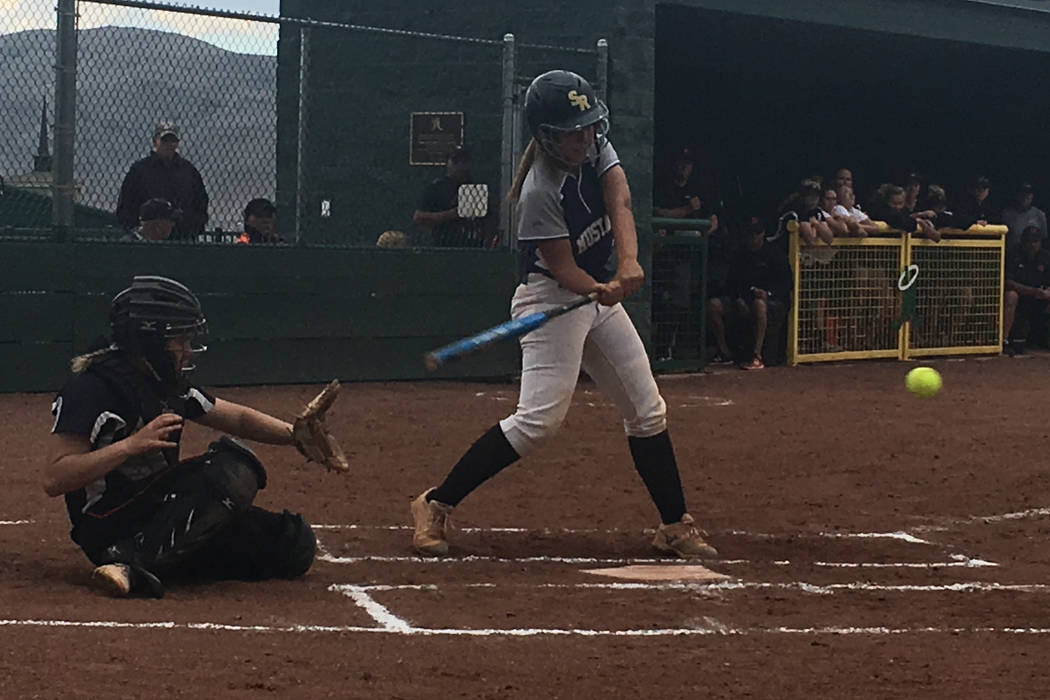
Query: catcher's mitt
{"type": "Point", "coordinates": [311, 434]}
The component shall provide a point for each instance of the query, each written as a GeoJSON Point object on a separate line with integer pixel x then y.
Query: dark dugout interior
{"type": "Point", "coordinates": [767, 102]}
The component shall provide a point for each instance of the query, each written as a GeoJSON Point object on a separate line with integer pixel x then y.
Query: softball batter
{"type": "Point", "coordinates": [578, 237]}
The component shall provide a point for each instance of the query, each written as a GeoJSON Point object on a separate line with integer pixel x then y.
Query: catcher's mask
{"type": "Point", "coordinates": [560, 101]}
{"type": "Point", "coordinates": [153, 313]}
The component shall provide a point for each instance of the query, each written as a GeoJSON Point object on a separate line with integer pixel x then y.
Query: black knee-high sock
{"type": "Point", "coordinates": [485, 458]}
{"type": "Point", "coordinates": [655, 462]}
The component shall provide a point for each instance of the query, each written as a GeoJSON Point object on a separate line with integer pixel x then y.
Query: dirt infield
{"type": "Point", "coordinates": [876, 546]}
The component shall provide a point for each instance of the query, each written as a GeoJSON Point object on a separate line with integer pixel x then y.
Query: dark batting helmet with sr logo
{"type": "Point", "coordinates": [562, 101]}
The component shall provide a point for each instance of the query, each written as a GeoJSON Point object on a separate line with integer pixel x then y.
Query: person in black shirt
{"type": "Point", "coordinates": [1026, 302]}
{"type": "Point", "coordinates": [890, 206]}
{"type": "Point", "coordinates": [758, 296]}
{"type": "Point", "coordinates": [164, 174]}
{"type": "Point", "coordinates": [438, 209]}
{"type": "Point", "coordinates": [139, 513]}
{"type": "Point", "coordinates": [975, 207]}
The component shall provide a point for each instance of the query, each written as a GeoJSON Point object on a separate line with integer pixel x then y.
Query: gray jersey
{"type": "Point", "coordinates": [555, 203]}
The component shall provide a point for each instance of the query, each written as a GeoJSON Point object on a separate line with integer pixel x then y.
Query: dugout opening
{"type": "Point", "coordinates": [766, 101]}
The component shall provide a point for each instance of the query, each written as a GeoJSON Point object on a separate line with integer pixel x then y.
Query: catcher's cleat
{"type": "Point", "coordinates": [683, 539]}
{"type": "Point", "coordinates": [114, 579]}
{"type": "Point", "coordinates": [121, 580]}
{"type": "Point", "coordinates": [431, 521]}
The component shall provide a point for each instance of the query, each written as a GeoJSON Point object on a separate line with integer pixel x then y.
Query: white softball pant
{"type": "Point", "coordinates": [600, 339]}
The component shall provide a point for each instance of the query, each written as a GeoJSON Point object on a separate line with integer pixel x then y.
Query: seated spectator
{"type": "Point", "coordinates": [392, 239]}
{"type": "Point", "coordinates": [975, 206]}
{"type": "Point", "coordinates": [1020, 215]}
{"type": "Point", "coordinates": [857, 222]}
{"type": "Point", "coordinates": [1026, 303]}
{"type": "Point", "coordinates": [758, 296]}
{"type": "Point", "coordinates": [889, 206]}
{"type": "Point", "coordinates": [438, 210]}
{"type": "Point", "coordinates": [803, 209]}
{"type": "Point", "coordinates": [260, 223]}
{"type": "Point", "coordinates": [157, 219]}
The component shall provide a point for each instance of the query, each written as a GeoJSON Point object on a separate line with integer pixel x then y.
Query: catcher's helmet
{"type": "Point", "coordinates": [150, 312]}
{"type": "Point", "coordinates": [562, 101]}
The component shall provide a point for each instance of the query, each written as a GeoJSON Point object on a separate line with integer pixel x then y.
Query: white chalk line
{"type": "Point", "coordinates": [801, 586]}
{"type": "Point", "coordinates": [714, 628]}
{"type": "Point", "coordinates": [987, 519]}
{"type": "Point", "coordinates": [964, 562]}
{"type": "Point", "coordinates": [15, 522]}
{"type": "Point", "coordinates": [897, 535]}
{"type": "Point", "coordinates": [378, 612]}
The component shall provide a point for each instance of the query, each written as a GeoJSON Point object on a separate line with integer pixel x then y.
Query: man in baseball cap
{"type": "Point", "coordinates": [165, 174]}
{"type": "Point", "coordinates": [157, 219]}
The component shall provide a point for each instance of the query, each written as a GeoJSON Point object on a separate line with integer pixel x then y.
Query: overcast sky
{"type": "Point", "coordinates": [239, 36]}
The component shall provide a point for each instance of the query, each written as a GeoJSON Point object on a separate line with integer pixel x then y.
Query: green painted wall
{"type": "Point", "coordinates": [276, 315]}
{"type": "Point", "coordinates": [364, 85]}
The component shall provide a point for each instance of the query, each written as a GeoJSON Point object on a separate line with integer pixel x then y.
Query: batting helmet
{"type": "Point", "coordinates": [151, 311]}
{"type": "Point", "coordinates": [562, 101]}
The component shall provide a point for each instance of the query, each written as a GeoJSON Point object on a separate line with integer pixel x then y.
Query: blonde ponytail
{"type": "Point", "coordinates": [527, 159]}
{"type": "Point", "coordinates": [80, 363]}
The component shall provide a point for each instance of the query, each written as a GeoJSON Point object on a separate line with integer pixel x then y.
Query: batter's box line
{"type": "Point", "coordinates": [961, 562]}
{"type": "Point", "coordinates": [712, 628]}
{"type": "Point", "coordinates": [718, 586]}
{"type": "Point", "coordinates": [898, 535]}
{"type": "Point", "coordinates": [392, 624]}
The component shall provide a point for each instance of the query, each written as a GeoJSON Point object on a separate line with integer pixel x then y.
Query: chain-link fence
{"type": "Point", "coordinates": [27, 91]}
{"type": "Point", "coordinates": [370, 129]}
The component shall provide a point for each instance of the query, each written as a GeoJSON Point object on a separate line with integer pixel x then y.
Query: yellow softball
{"type": "Point", "coordinates": [924, 382]}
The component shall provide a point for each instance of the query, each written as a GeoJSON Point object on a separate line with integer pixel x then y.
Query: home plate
{"type": "Point", "coordinates": [659, 572]}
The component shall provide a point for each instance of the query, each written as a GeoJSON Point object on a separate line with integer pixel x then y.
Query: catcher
{"type": "Point", "coordinates": [143, 517]}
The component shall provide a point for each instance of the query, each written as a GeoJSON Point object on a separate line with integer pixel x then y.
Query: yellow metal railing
{"type": "Point", "coordinates": [894, 295]}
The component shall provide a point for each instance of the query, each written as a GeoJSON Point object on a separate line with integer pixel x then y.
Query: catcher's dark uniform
{"type": "Point", "coordinates": [166, 517]}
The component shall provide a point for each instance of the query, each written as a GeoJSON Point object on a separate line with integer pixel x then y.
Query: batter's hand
{"type": "Point", "coordinates": [610, 293]}
{"type": "Point", "coordinates": [630, 275]}
{"type": "Point", "coordinates": [155, 435]}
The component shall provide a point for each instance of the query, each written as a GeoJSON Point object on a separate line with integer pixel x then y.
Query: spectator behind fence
{"type": "Point", "coordinates": [889, 206]}
{"type": "Point", "coordinates": [164, 174]}
{"type": "Point", "coordinates": [829, 199]}
{"type": "Point", "coordinates": [392, 239]}
{"type": "Point", "coordinates": [914, 187]}
{"type": "Point", "coordinates": [857, 222]}
{"type": "Point", "coordinates": [1026, 303]}
{"type": "Point", "coordinates": [755, 306]}
{"type": "Point", "coordinates": [157, 219]}
{"type": "Point", "coordinates": [1021, 214]}
{"type": "Point", "coordinates": [843, 177]}
{"type": "Point", "coordinates": [975, 206]}
{"type": "Point", "coordinates": [260, 223]}
{"type": "Point", "coordinates": [439, 206]}
{"type": "Point", "coordinates": [677, 195]}
{"type": "Point", "coordinates": [803, 209]}
{"type": "Point", "coordinates": [935, 209]}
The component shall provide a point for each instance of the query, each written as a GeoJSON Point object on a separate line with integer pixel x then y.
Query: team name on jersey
{"type": "Point", "coordinates": [592, 234]}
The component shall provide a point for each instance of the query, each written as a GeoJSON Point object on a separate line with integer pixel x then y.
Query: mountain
{"type": "Point", "coordinates": [127, 80]}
